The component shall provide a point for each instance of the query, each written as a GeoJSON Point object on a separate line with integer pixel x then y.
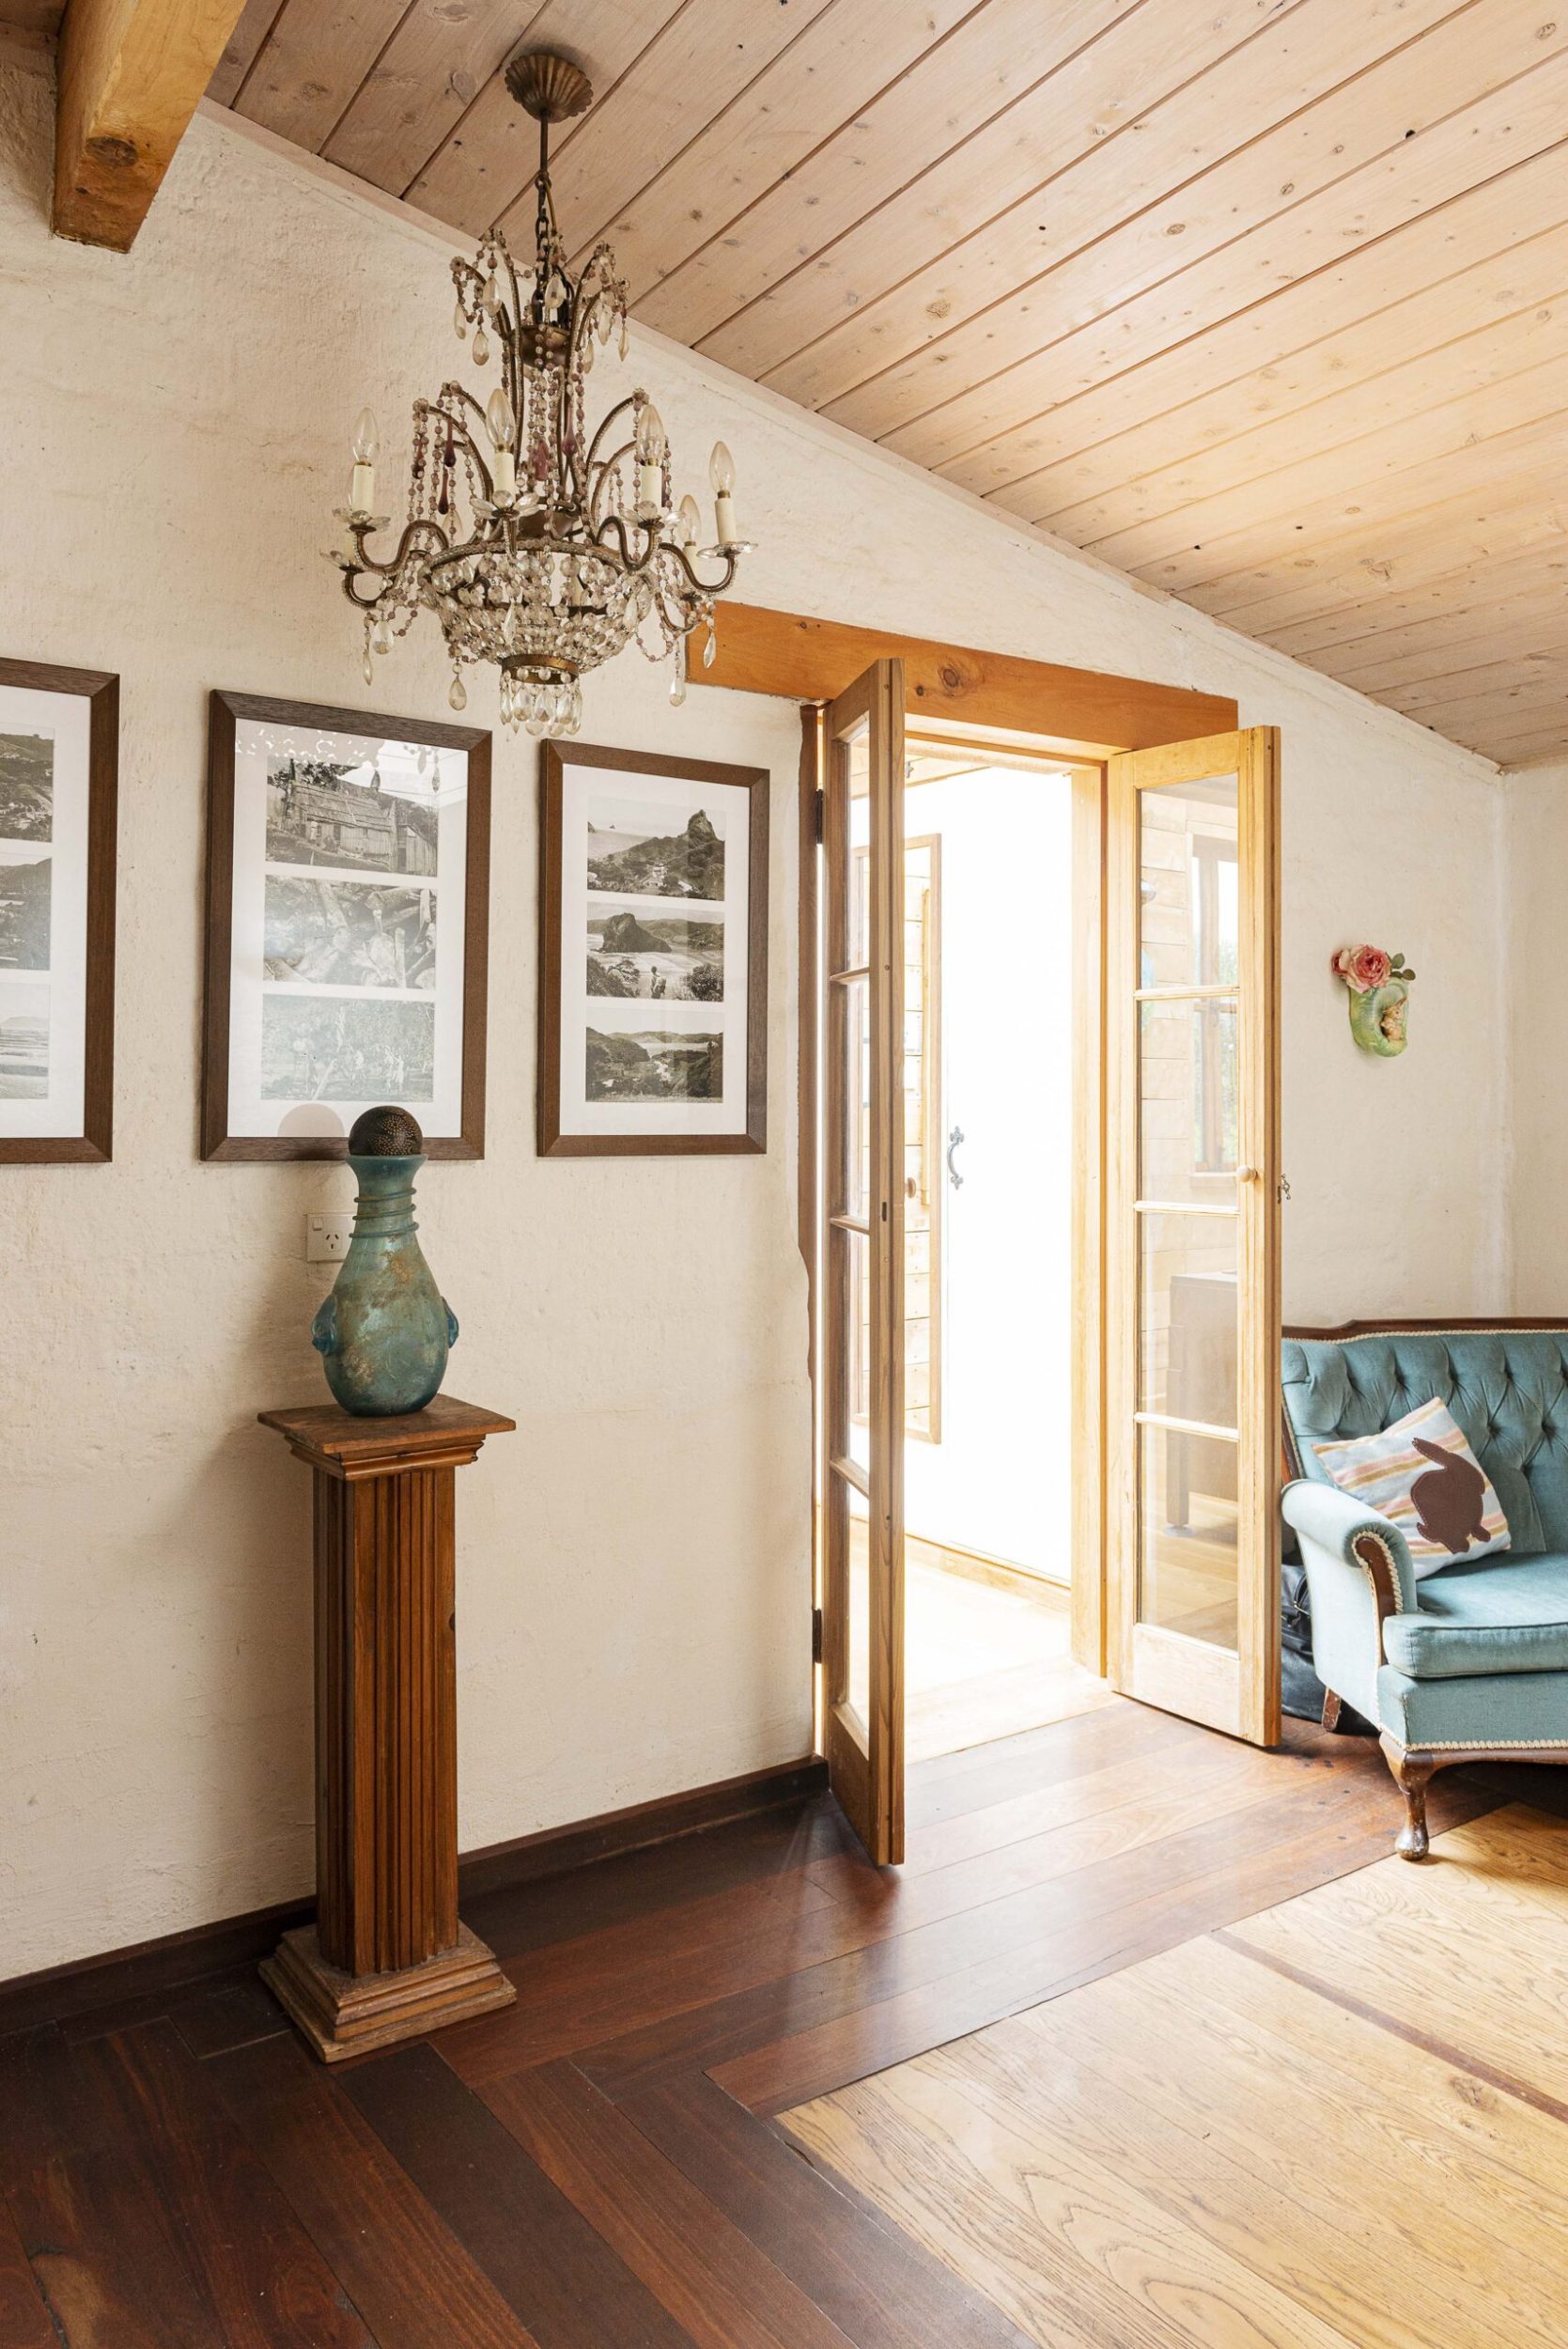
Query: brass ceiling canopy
{"type": "Point", "coordinates": [548, 86]}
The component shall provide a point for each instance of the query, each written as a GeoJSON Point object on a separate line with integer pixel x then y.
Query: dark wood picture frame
{"type": "Point", "coordinates": [224, 711]}
{"type": "Point", "coordinates": [556, 758]}
{"type": "Point", "coordinates": [94, 1144]}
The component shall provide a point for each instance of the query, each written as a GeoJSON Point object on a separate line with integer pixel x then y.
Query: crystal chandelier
{"type": "Point", "coordinates": [537, 548]}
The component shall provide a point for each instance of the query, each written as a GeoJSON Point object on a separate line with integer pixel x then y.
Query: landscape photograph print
{"type": "Point", "coordinates": [324, 811]}
{"type": "Point", "coordinates": [26, 865]}
{"type": "Point", "coordinates": [653, 939]}
{"type": "Point", "coordinates": [24, 1041]}
{"type": "Point", "coordinates": [339, 933]}
{"type": "Point", "coordinates": [27, 787]}
{"type": "Point", "coordinates": [664, 958]}
{"type": "Point", "coordinates": [347, 895]}
{"type": "Point", "coordinates": [626, 856]}
{"type": "Point", "coordinates": [342, 1047]}
{"type": "Point", "coordinates": [653, 1066]}
{"type": "Point", "coordinates": [25, 897]}
{"type": "Point", "coordinates": [60, 737]}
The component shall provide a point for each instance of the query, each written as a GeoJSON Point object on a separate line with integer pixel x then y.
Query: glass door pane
{"type": "Point", "coordinates": [1193, 1366]}
{"type": "Point", "coordinates": [862, 1204]}
{"type": "Point", "coordinates": [1187, 1002]}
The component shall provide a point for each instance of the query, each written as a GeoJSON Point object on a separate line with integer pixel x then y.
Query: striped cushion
{"type": "Point", "coordinates": [1421, 1475]}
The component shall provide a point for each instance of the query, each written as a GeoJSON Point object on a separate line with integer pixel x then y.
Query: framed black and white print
{"type": "Point", "coordinates": [347, 894]}
{"type": "Point", "coordinates": [653, 944]}
{"type": "Point", "coordinates": [59, 731]}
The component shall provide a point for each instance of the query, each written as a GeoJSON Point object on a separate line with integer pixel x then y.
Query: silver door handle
{"type": "Point", "coordinates": [954, 1137]}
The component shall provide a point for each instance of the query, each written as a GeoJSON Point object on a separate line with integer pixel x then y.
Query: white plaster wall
{"type": "Point", "coordinates": [1534, 1031]}
{"type": "Point", "coordinates": [633, 1578]}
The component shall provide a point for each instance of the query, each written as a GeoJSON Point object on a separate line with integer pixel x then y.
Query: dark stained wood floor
{"type": "Point", "coordinates": [598, 2167]}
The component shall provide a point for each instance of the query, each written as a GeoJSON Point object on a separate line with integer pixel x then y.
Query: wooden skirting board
{"type": "Point", "coordinates": [1084, 712]}
{"type": "Point", "coordinates": [146, 1967]}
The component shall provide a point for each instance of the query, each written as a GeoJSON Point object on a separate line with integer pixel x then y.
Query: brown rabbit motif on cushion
{"type": "Point", "coordinates": [1448, 1497]}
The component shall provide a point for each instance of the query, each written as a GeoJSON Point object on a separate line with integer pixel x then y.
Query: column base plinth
{"type": "Point", "coordinates": [344, 2014]}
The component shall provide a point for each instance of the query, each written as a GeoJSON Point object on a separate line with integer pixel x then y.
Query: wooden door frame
{"type": "Point", "coordinates": [1084, 717]}
{"type": "Point", "coordinates": [865, 1750]}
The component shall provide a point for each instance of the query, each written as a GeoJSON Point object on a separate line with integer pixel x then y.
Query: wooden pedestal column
{"type": "Point", "coordinates": [387, 1957]}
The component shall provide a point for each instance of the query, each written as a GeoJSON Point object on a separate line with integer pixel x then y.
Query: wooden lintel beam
{"type": "Point", "coordinates": [1089, 710]}
{"type": "Point", "coordinates": [131, 72]}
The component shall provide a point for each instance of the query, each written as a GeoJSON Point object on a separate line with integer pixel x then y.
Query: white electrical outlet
{"type": "Point", "coordinates": [327, 1236]}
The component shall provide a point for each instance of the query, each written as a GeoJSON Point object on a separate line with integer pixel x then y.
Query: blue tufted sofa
{"type": "Point", "coordinates": [1471, 1662]}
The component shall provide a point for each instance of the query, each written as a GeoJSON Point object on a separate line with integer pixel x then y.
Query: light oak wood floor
{"type": "Point", "coordinates": [1340, 2123]}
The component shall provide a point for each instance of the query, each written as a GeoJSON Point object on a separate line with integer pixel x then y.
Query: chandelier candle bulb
{"type": "Point", "coordinates": [502, 427]}
{"type": "Point", "coordinates": [690, 520]}
{"type": "Point", "coordinates": [721, 474]}
{"type": "Point", "coordinates": [361, 495]}
{"type": "Point", "coordinates": [651, 462]}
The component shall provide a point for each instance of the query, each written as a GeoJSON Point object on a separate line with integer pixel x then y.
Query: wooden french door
{"type": "Point", "coordinates": [860, 1322]}
{"type": "Point", "coordinates": [1192, 1314]}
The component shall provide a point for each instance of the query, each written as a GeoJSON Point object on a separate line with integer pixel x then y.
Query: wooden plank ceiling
{"type": "Point", "coordinates": [1265, 302]}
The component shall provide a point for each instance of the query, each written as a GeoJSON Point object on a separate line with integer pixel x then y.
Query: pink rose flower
{"type": "Point", "coordinates": [1362, 967]}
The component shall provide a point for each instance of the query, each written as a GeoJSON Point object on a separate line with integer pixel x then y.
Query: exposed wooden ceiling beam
{"type": "Point", "coordinates": [131, 72]}
{"type": "Point", "coordinates": [1085, 711]}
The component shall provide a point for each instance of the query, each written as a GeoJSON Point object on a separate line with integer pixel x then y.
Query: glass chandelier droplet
{"type": "Point", "coordinates": [457, 694]}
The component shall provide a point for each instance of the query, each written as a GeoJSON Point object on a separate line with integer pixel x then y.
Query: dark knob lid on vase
{"type": "Point", "coordinates": [385, 1132]}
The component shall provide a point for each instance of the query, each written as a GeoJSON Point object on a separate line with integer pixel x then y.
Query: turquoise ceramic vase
{"type": "Point", "coordinates": [384, 1332]}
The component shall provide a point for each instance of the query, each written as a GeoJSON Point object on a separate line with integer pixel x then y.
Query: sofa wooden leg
{"type": "Point", "coordinates": [1413, 1770]}
{"type": "Point", "coordinates": [1332, 1705]}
